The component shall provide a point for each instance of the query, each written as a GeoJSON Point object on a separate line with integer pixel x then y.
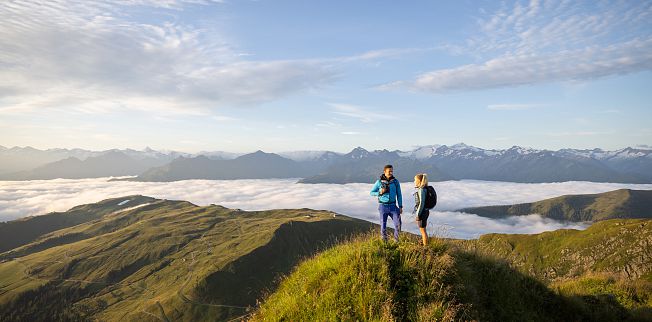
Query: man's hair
{"type": "Point", "coordinates": [389, 166]}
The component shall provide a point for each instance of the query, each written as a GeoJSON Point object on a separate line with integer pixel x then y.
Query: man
{"type": "Point", "coordinates": [388, 191]}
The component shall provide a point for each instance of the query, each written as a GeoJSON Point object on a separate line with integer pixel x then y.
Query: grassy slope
{"type": "Point", "coordinates": [25, 230]}
{"type": "Point", "coordinates": [367, 280]}
{"type": "Point", "coordinates": [620, 247]}
{"type": "Point", "coordinates": [623, 203]}
{"type": "Point", "coordinates": [169, 260]}
{"type": "Point", "coordinates": [611, 260]}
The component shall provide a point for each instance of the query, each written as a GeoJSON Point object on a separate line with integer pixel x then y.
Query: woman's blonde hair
{"type": "Point", "coordinates": [421, 179]}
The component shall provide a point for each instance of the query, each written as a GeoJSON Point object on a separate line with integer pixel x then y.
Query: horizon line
{"type": "Point", "coordinates": [200, 152]}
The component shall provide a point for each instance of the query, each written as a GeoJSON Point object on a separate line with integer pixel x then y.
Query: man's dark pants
{"type": "Point", "coordinates": [392, 210]}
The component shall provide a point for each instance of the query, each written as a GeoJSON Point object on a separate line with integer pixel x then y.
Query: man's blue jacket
{"type": "Point", "coordinates": [393, 195]}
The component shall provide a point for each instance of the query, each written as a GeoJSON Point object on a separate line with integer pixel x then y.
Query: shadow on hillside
{"type": "Point", "coordinates": [248, 278]}
{"type": "Point", "coordinates": [370, 280]}
{"type": "Point", "coordinates": [500, 293]}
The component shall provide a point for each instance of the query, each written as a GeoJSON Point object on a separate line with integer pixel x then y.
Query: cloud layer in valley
{"type": "Point", "coordinates": [30, 198]}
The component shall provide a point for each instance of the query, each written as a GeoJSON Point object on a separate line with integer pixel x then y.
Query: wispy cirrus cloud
{"type": "Point", "coordinates": [358, 112]}
{"type": "Point", "coordinates": [328, 124]}
{"type": "Point", "coordinates": [512, 107]}
{"type": "Point", "coordinates": [528, 69]}
{"type": "Point", "coordinates": [224, 118]}
{"type": "Point", "coordinates": [172, 4]}
{"type": "Point", "coordinates": [385, 53]}
{"type": "Point", "coordinates": [548, 41]}
{"type": "Point", "coordinates": [610, 111]}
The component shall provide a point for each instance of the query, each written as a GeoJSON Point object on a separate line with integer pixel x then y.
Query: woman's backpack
{"type": "Point", "coordinates": [431, 197]}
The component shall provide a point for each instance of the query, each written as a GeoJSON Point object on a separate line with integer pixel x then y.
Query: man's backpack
{"type": "Point", "coordinates": [431, 197]}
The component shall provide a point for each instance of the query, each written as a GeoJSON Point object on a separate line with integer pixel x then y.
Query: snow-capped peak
{"type": "Point", "coordinates": [523, 150]}
{"type": "Point", "coordinates": [425, 152]}
{"type": "Point", "coordinates": [460, 146]}
{"type": "Point", "coordinates": [358, 153]}
{"type": "Point", "coordinates": [602, 155]}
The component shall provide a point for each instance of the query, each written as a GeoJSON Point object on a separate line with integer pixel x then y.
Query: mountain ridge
{"type": "Point", "coordinates": [621, 203]}
{"type": "Point", "coordinates": [616, 247]}
{"type": "Point", "coordinates": [114, 163]}
{"type": "Point", "coordinates": [246, 166]}
{"type": "Point", "coordinates": [455, 162]}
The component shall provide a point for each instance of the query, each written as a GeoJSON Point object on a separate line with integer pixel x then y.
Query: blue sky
{"type": "Point", "coordinates": [295, 75]}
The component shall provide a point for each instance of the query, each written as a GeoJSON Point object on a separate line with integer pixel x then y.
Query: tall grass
{"type": "Point", "coordinates": [369, 280]}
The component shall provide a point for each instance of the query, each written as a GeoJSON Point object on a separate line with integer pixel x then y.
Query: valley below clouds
{"type": "Point", "coordinates": [31, 198]}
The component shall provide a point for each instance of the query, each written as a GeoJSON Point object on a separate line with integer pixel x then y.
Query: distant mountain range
{"type": "Point", "coordinates": [527, 165]}
{"type": "Point", "coordinates": [249, 166]}
{"type": "Point", "coordinates": [361, 165]}
{"type": "Point", "coordinates": [112, 163]}
{"type": "Point", "coordinates": [623, 203]}
{"type": "Point", "coordinates": [441, 162]}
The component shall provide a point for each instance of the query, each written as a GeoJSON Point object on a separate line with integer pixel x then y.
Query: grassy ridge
{"type": "Point", "coordinates": [611, 261]}
{"type": "Point", "coordinates": [368, 280]}
{"type": "Point", "coordinates": [621, 247]}
{"type": "Point", "coordinates": [623, 203]}
{"type": "Point", "coordinates": [25, 230]}
{"type": "Point", "coordinates": [166, 260]}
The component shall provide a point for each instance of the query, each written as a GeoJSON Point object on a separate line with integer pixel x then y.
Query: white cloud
{"type": "Point", "coordinates": [328, 124]}
{"type": "Point", "coordinates": [223, 118]}
{"type": "Point", "coordinates": [512, 107]}
{"type": "Point", "coordinates": [526, 69]}
{"type": "Point", "coordinates": [461, 225]}
{"type": "Point", "coordinates": [385, 53]}
{"type": "Point", "coordinates": [548, 41]}
{"type": "Point", "coordinates": [351, 133]}
{"type": "Point", "coordinates": [552, 26]}
{"type": "Point", "coordinates": [94, 57]}
{"type": "Point", "coordinates": [611, 111]}
{"type": "Point", "coordinates": [358, 112]}
{"type": "Point", "coordinates": [98, 57]}
{"type": "Point", "coordinates": [20, 199]}
{"type": "Point", "coordinates": [172, 4]}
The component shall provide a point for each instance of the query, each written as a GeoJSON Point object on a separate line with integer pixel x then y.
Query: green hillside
{"type": "Point", "coordinates": [25, 230]}
{"type": "Point", "coordinates": [467, 280]}
{"type": "Point", "coordinates": [164, 260]}
{"type": "Point", "coordinates": [137, 258]}
{"type": "Point", "coordinates": [623, 203]}
{"type": "Point", "coordinates": [619, 247]}
{"type": "Point", "coordinates": [611, 259]}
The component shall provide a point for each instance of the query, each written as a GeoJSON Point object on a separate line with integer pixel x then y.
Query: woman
{"type": "Point", "coordinates": [420, 184]}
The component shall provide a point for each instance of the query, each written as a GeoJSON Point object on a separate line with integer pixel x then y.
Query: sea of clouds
{"type": "Point", "coordinates": [30, 198]}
